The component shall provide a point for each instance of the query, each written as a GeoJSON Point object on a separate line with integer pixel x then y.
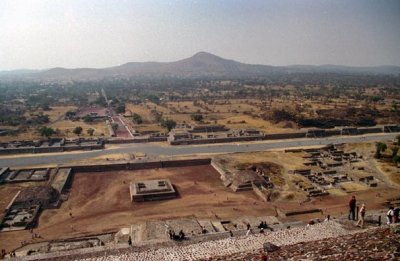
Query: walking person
{"type": "Point", "coordinates": [396, 213]}
{"type": "Point", "coordinates": [352, 208]}
{"type": "Point", "coordinates": [362, 216]}
{"type": "Point", "coordinates": [263, 256]}
{"type": "Point", "coordinates": [390, 215]}
{"type": "Point", "coordinates": [249, 231]}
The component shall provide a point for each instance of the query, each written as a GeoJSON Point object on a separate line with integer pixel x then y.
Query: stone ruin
{"type": "Point", "coordinates": [254, 178]}
{"type": "Point", "coordinates": [14, 176]}
{"type": "Point", "coordinates": [329, 167]}
{"type": "Point", "coordinates": [152, 232]}
{"type": "Point", "coordinates": [24, 209]}
{"type": "Point", "coordinates": [150, 190]}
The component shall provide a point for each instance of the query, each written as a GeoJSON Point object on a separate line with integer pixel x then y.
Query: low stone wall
{"type": "Point", "coordinates": [136, 140]}
{"type": "Point", "coordinates": [215, 140]}
{"type": "Point", "coordinates": [260, 193]}
{"type": "Point", "coordinates": [391, 128]}
{"type": "Point", "coordinates": [140, 165]}
{"type": "Point", "coordinates": [185, 163]}
{"type": "Point", "coordinates": [278, 136]}
{"type": "Point", "coordinates": [119, 141]}
{"type": "Point", "coordinates": [224, 174]}
{"type": "Point", "coordinates": [294, 213]}
{"type": "Point", "coordinates": [332, 132]}
{"type": "Point", "coordinates": [21, 150]}
{"type": "Point", "coordinates": [83, 147]}
{"type": "Point", "coordinates": [30, 150]}
{"type": "Point", "coordinates": [293, 135]}
{"type": "Point", "coordinates": [144, 165]}
{"type": "Point", "coordinates": [370, 130]}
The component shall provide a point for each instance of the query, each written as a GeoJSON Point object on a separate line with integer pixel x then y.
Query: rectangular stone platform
{"type": "Point", "coordinates": [149, 190]}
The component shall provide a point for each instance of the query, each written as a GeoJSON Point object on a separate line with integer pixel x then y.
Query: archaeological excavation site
{"type": "Point", "coordinates": [191, 203]}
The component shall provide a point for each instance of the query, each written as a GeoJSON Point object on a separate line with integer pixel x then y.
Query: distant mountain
{"type": "Point", "coordinates": [200, 65]}
{"type": "Point", "coordinates": [18, 72]}
{"type": "Point", "coordinates": [385, 69]}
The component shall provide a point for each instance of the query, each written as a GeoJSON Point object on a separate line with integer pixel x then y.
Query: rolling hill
{"type": "Point", "coordinates": [200, 65]}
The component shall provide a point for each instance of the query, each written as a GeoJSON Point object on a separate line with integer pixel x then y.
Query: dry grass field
{"type": "Point", "coordinates": [66, 128]}
{"type": "Point", "coordinates": [235, 114]}
{"type": "Point", "coordinates": [58, 112]}
{"type": "Point", "coordinates": [28, 134]}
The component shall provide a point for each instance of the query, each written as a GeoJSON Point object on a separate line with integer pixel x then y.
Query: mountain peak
{"type": "Point", "coordinates": [205, 55]}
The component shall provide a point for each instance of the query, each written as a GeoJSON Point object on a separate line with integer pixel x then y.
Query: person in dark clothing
{"type": "Point", "coordinates": [181, 235]}
{"type": "Point", "coordinates": [263, 257]}
{"type": "Point", "coordinates": [352, 208]}
{"type": "Point", "coordinates": [396, 213]}
{"type": "Point", "coordinates": [171, 234]}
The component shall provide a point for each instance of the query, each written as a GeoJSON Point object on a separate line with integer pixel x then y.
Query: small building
{"type": "Point", "coordinates": [150, 190]}
{"type": "Point", "coordinates": [249, 132]}
{"type": "Point", "coordinates": [179, 135]}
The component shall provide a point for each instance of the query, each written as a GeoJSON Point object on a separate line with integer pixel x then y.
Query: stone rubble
{"type": "Point", "coordinates": [375, 244]}
{"type": "Point", "coordinates": [230, 246]}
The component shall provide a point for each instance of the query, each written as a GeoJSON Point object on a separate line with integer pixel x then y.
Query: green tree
{"type": "Point", "coordinates": [90, 131]}
{"type": "Point", "coordinates": [87, 119]}
{"type": "Point", "coordinates": [46, 131]}
{"type": "Point", "coordinates": [120, 108]}
{"type": "Point", "coordinates": [196, 117]}
{"type": "Point", "coordinates": [70, 114]}
{"type": "Point", "coordinates": [398, 139]}
{"type": "Point", "coordinates": [136, 118]}
{"type": "Point", "coordinates": [77, 130]}
{"type": "Point", "coordinates": [101, 101]}
{"type": "Point", "coordinates": [394, 151]}
{"type": "Point", "coordinates": [380, 147]}
{"type": "Point", "coordinates": [153, 98]}
{"type": "Point", "coordinates": [114, 126]}
{"type": "Point", "coordinates": [168, 124]}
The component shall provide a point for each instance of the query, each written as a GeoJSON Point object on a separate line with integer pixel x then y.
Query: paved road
{"type": "Point", "coordinates": [157, 149]}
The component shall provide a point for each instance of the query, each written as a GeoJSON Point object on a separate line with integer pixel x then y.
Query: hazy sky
{"type": "Point", "coordinates": [101, 33]}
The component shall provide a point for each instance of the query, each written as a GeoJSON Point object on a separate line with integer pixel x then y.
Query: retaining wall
{"type": "Point", "coordinates": [136, 140]}
{"type": "Point", "coordinates": [215, 140]}
{"type": "Point", "coordinates": [260, 193]}
{"type": "Point", "coordinates": [22, 150]}
{"type": "Point", "coordinates": [391, 128]}
{"type": "Point", "coordinates": [370, 130]}
{"type": "Point", "coordinates": [140, 165]}
{"type": "Point", "coordinates": [278, 136]}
